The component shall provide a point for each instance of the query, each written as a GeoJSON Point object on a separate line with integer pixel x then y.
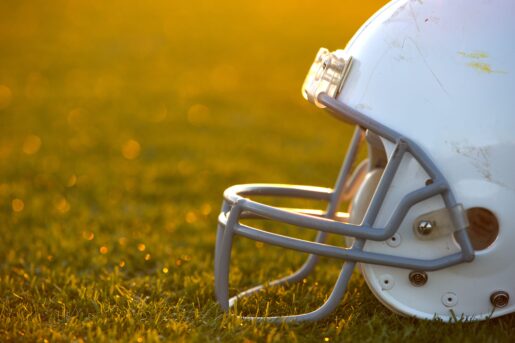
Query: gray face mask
{"type": "Point", "coordinates": [373, 178]}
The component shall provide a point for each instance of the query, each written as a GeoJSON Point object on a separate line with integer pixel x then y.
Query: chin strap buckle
{"type": "Point", "coordinates": [326, 75]}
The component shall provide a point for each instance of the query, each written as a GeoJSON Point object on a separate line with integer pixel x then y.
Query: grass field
{"type": "Point", "coordinates": [120, 126]}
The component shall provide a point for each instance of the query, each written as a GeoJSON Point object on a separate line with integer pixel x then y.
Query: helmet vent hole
{"type": "Point", "coordinates": [483, 227]}
{"type": "Point", "coordinates": [449, 299]}
{"type": "Point", "coordinates": [387, 282]}
{"type": "Point", "coordinates": [394, 241]}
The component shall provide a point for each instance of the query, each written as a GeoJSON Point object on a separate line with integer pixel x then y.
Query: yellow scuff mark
{"type": "Point", "coordinates": [475, 55]}
{"type": "Point", "coordinates": [484, 67]}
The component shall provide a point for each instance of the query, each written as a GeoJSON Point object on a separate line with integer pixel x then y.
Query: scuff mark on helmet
{"type": "Point", "coordinates": [479, 157]}
{"type": "Point", "coordinates": [478, 64]}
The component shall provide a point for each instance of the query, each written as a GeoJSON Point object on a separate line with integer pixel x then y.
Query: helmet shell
{"type": "Point", "coordinates": [442, 73]}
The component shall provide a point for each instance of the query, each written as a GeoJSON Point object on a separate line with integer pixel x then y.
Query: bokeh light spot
{"type": "Point", "coordinates": [88, 235]}
{"type": "Point", "coordinates": [72, 180]}
{"type": "Point", "coordinates": [36, 86]}
{"type": "Point", "coordinates": [104, 250]}
{"type": "Point", "coordinates": [18, 205]}
{"type": "Point", "coordinates": [141, 247]}
{"type": "Point", "coordinates": [170, 226]}
{"type": "Point", "coordinates": [108, 86]}
{"type": "Point", "coordinates": [6, 96]}
{"type": "Point", "coordinates": [76, 118]}
{"type": "Point", "coordinates": [198, 114]}
{"type": "Point", "coordinates": [62, 205]}
{"type": "Point", "coordinates": [4, 189]}
{"type": "Point", "coordinates": [205, 209]}
{"type": "Point", "coordinates": [147, 257]}
{"type": "Point", "coordinates": [6, 149]}
{"type": "Point", "coordinates": [159, 114]}
{"type": "Point", "coordinates": [165, 270]}
{"type": "Point", "coordinates": [224, 78]}
{"type": "Point", "coordinates": [131, 149]}
{"type": "Point", "coordinates": [122, 264]}
{"type": "Point", "coordinates": [51, 163]}
{"type": "Point", "coordinates": [186, 258]}
{"type": "Point", "coordinates": [185, 167]}
{"type": "Point", "coordinates": [31, 144]}
{"type": "Point", "coordinates": [191, 217]}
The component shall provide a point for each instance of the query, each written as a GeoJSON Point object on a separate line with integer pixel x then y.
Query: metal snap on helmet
{"type": "Point", "coordinates": [430, 87]}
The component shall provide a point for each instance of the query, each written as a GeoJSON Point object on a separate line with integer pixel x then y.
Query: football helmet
{"type": "Point", "coordinates": [430, 87]}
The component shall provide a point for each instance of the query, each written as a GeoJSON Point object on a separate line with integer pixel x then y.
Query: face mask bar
{"type": "Point", "coordinates": [236, 206]}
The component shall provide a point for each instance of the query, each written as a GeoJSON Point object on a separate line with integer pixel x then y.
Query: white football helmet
{"type": "Point", "coordinates": [430, 86]}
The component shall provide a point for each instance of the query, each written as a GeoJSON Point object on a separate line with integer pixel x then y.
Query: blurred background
{"type": "Point", "coordinates": [161, 105]}
{"type": "Point", "coordinates": [121, 123]}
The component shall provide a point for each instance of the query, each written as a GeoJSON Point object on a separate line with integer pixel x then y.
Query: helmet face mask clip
{"type": "Point", "coordinates": [411, 202]}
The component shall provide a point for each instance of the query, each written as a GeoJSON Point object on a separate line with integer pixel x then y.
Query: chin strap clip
{"type": "Point", "coordinates": [326, 75]}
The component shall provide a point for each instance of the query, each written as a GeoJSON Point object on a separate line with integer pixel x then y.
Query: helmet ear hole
{"type": "Point", "coordinates": [483, 227]}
